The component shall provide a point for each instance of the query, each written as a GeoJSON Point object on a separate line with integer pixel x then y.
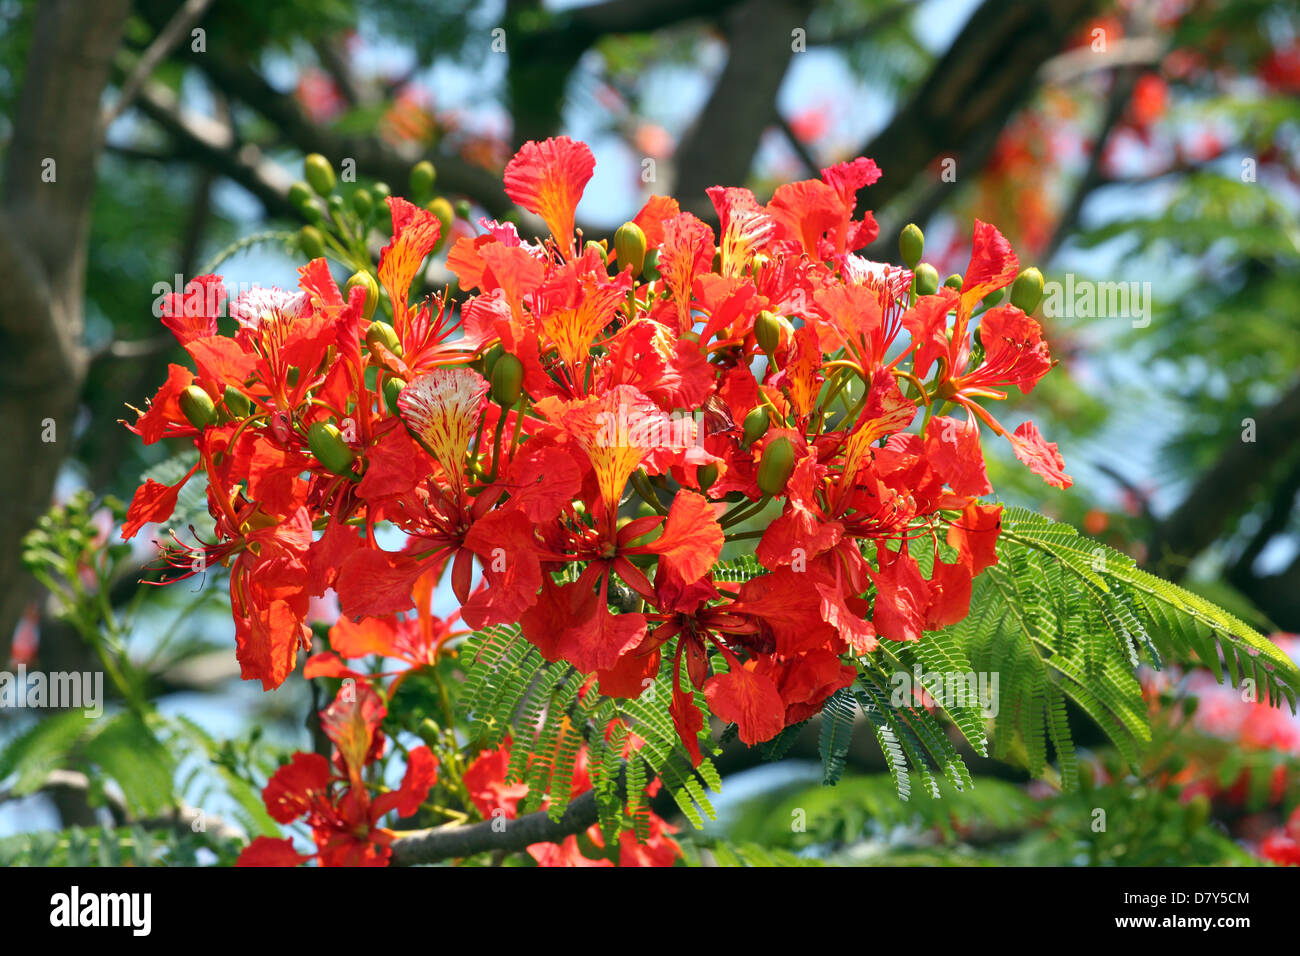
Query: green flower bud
{"type": "Point", "coordinates": [1027, 290]}
{"type": "Point", "coordinates": [422, 176]}
{"type": "Point", "coordinates": [381, 333]}
{"type": "Point", "coordinates": [196, 406]}
{"type": "Point", "coordinates": [927, 279]}
{"type": "Point", "coordinates": [706, 475]}
{"type": "Point", "coordinates": [507, 380]}
{"type": "Point", "coordinates": [755, 425]}
{"type": "Point", "coordinates": [992, 299]}
{"type": "Point", "coordinates": [392, 388]}
{"type": "Point", "coordinates": [443, 212]}
{"type": "Point", "coordinates": [299, 195]}
{"type": "Point", "coordinates": [327, 444]}
{"type": "Point", "coordinates": [336, 205]}
{"type": "Point", "coordinates": [368, 282]}
{"type": "Point", "coordinates": [629, 244]}
{"type": "Point", "coordinates": [911, 243]}
{"type": "Point", "coordinates": [463, 209]}
{"type": "Point", "coordinates": [363, 204]}
{"type": "Point", "coordinates": [650, 271]}
{"type": "Point", "coordinates": [490, 359]}
{"type": "Point", "coordinates": [954, 281]}
{"type": "Point", "coordinates": [319, 173]}
{"type": "Point", "coordinates": [776, 466]}
{"type": "Point", "coordinates": [767, 330]}
{"type": "Point", "coordinates": [237, 402]}
{"type": "Point", "coordinates": [311, 242]}
{"type": "Point", "coordinates": [381, 191]}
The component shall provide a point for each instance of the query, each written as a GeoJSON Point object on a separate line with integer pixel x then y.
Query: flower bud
{"type": "Point", "coordinates": [1027, 290]}
{"type": "Point", "coordinates": [327, 444]}
{"type": "Point", "coordinates": [629, 244]}
{"type": "Point", "coordinates": [381, 191]}
{"type": "Point", "coordinates": [755, 425]}
{"type": "Point", "coordinates": [767, 330]}
{"type": "Point", "coordinates": [463, 209]}
{"type": "Point", "coordinates": [311, 242]}
{"type": "Point", "coordinates": [319, 173]}
{"type": "Point", "coordinates": [299, 195]}
{"type": "Point", "coordinates": [381, 333]}
{"type": "Point", "coordinates": [367, 281]}
{"type": "Point", "coordinates": [392, 388]}
{"type": "Point", "coordinates": [927, 279]}
{"type": "Point", "coordinates": [992, 299]}
{"type": "Point", "coordinates": [422, 176]}
{"type": "Point", "coordinates": [237, 402]}
{"type": "Point", "coordinates": [650, 271]}
{"type": "Point", "coordinates": [443, 212]}
{"type": "Point", "coordinates": [911, 243]}
{"type": "Point", "coordinates": [489, 360]}
{"type": "Point", "coordinates": [953, 281]}
{"type": "Point", "coordinates": [196, 406]}
{"type": "Point", "coordinates": [776, 466]}
{"type": "Point", "coordinates": [363, 204]}
{"type": "Point", "coordinates": [706, 475]}
{"type": "Point", "coordinates": [507, 380]}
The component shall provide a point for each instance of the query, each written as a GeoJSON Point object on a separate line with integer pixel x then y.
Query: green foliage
{"type": "Point", "coordinates": [119, 846]}
{"type": "Point", "coordinates": [997, 823]}
{"type": "Point", "coordinates": [511, 691]}
{"type": "Point", "coordinates": [1062, 622]}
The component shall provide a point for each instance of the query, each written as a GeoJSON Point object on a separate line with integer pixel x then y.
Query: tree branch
{"type": "Point", "coordinates": [1224, 489]}
{"type": "Point", "coordinates": [455, 841]}
{"type": "Point", "coordinates": [720, 146]}
{"type": "Point", "coordinates": [991, 68]}
{"type": "Point", "coordinates": [184, 20]}
{"type": "Point", "coordinates": [44, 222]}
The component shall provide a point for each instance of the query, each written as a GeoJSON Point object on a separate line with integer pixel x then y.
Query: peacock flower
{"type": "Point", "coordinates": [442, 410]}
{"type": "Point", "coordinates": [572, 309]}
{"type": "Point", "coordinates": [687, 251]}
{"type": "Point", "coordinates": [618, 430]}
{"type": "Point", "coordinates": [746, 227]}
{"type": "Point", "coordinates": [548, 179]}
{"type": "Point", "coordinates": [415, 232]}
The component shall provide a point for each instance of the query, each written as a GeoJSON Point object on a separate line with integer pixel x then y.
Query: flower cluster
{"type": "Point", "coordinates": [333, 796]}
{"type": "Point", "coordinates": [573, 444]}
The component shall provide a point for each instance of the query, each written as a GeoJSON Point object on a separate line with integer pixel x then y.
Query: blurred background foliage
{"type": "Point", "coordinates": [1138, 141]}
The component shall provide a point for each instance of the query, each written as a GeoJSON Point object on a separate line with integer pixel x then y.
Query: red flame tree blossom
{"type": "Point", "coordinates": [587, 431]}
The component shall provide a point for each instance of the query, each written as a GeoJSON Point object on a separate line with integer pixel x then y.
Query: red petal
{"type": "Point", "coordinates": [295, 788]}
{"type": "Point", "coordinates": [748, 700]}
{"type": "Point", "coordinates": [268, 851]}
{"type": "Point", "coordinates": [975, 535]}
{"type": "Point", "coordinates": [953, 449]}
{"type": "Point", "coordinates": [415, 233]}
{"type": "Point", "coordinates": [692, 538]}
{"type": "Point", "coordinates": [993, 265]}
{"type": "Point", "coordinates": [548, 178]}
{"type": "Point", "coordinates": [153, 501]}
{"type": "Point", "coordinates": [1040, 455]}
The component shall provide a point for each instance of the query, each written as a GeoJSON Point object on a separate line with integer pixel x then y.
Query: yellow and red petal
{"type": "Point", "coordinates": [415, 232]}
{"type": "Point", "coordinates": [548, 179]}
{"type": "Point", "coordinates": [442, 409]}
